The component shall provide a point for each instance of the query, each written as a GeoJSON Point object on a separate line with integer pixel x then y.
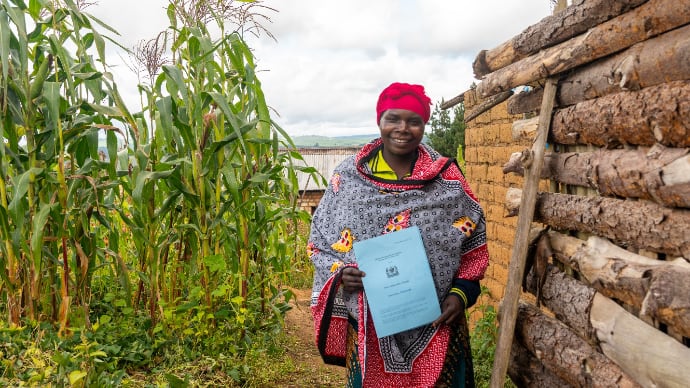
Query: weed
{"type": "Point", "coordinates": [483, 342]}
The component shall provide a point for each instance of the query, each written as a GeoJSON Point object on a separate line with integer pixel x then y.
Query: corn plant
{"type": "Point", "coordinates": [211, 181]}
{"type": "Point", "coordinates": [56, 96]}
{"type": "Point", "coordinates": [187, 213]}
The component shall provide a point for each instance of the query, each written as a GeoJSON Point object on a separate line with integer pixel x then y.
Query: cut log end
{"type": "Point", "coordinates": [514, 164]}
{"type": "Point", "coordinates": [459, 99]}
{"type": "Point", "coordinates": [480, 66]}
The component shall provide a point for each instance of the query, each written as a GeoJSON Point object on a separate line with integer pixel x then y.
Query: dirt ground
{"type": "Point", "coordinates": [310, 371]}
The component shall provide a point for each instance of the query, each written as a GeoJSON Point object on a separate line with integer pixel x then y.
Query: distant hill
{"type": "Point", "coordinates": [337, 141]}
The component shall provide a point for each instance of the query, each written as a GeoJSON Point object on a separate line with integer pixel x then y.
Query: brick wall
{"type": "Point", "coordinates": [489, 144]}
{"type": "Point", "coordinates": [310, 199]}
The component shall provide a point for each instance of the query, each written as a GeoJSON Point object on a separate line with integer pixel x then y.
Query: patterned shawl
{"type": "Point", "coordinates": [357, 206]}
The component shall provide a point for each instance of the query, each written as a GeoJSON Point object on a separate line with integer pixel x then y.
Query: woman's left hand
{"type": "Point", "coordinates": [451, 311]}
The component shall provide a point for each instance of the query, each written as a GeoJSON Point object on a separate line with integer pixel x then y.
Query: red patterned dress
{"type": "Point", "coordinates": [358, 204]}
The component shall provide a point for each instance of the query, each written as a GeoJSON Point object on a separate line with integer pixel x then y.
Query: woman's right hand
{"type": "Point", "coordinates": [352, 279]}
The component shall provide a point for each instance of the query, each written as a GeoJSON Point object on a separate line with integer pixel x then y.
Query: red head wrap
{"type": "Point", "coordinates": [404, 96]}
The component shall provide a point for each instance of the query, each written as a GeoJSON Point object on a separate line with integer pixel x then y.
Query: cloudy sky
{"type": "Point", "coordinates": [330, 60]}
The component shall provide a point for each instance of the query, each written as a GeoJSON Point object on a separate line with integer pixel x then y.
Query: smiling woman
{"type": "Point", "coordinates": [394, 183]}
{"type": "Point", "coordinates": [402, 110]}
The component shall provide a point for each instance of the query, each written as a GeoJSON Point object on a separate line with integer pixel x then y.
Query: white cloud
{"type": "Point", "coordinates": [332, 58]}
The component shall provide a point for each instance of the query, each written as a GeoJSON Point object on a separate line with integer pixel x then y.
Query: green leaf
{"type": "Point", "coordinates": [98, 353]}
{"type": "Point", "coordinates": [260, 178]}
{"type": "Point", "coordinates": [51, 96]}
{"type": "Point", "coordinates": [65, 61]}
{"type": "Point", "coordinates": [221, 291]}
{"type": "Point", "coordinates": [21, 188]}
{"type": "Point", "coordinates": [176, 382]}
{"type": "Point", "coordinates": [35, 8]}
{"type": "Point", "coordinates": [174, 74]}
{"type": "Point", "coordinates": [215, 263]}
{"type": "Point", "coordinates": [262, 110]}
{"type": "Point", "coordinates": [5, 36]}
{"type": "Point", "coordinates": [105, 110]}
{"type": "Point", "coordinates": [222, 103]}
{"type": "Point", "coordinates": [233, 137]}
{"type": "Point", "coordinates": [100, 45]}
{"type": "Point", "coordinates": [76, 376]}
{"type": "Point", "coordinates": [111, 143]}
{"type": "Point", "coordinates": [164, 106]}
{"type": "Point", "coordinates": [39, 224]}
{"type": "Point", "coordinates": [17, 16]}
{"type": "Point", "coordinates": [100, 23]}
{"type": "Point", "coordinates": [143, 178]}
{"type": "Point", "coordinates": [4, 222]}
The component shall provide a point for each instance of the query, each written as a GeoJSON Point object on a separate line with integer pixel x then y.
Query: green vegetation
{"type": "Point", "coordinates": [447, 134]}
{"type": "Point", "coordinates": [483, 342]}
{"type": "Point", "coordinates": [162, 262]}
{"type": "Point", "coordinates": [336, 141]}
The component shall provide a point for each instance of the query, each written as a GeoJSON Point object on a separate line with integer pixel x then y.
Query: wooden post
{"type": "Point", "coordinates": [516, 269]}
{"type": "Point", "coordinates": [487, 104]}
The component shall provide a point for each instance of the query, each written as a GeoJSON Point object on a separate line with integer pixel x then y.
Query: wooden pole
{"type": "Point", "coordinates": [459, 99]}
{"type": "Point", "coordinates": [517, 259]}
{"type": "Point", "coordinates": [488, 104]}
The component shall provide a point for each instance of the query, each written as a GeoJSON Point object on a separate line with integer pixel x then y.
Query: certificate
{"type": "Point", "coordinates": [398, 283]}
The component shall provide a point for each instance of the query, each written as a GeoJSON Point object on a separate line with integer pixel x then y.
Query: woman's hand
{"type": "Point", "coordinates": [352, 279]}
{"type": "Point", "coordinates": [451, 310]}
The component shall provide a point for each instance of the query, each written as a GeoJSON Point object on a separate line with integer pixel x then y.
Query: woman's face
{"type": "Point", "coordinates": [401, 131]}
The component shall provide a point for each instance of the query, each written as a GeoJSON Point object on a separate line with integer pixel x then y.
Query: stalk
{"type": "Point", "coordinates": [62, 198]}
{"type": "Point", "coordinates": [13, 309]}
{"type": "Point", "coordinates": [244, 260]}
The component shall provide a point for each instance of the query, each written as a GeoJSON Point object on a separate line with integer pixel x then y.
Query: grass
{"type": "Point", "coordinates": [483, 342]}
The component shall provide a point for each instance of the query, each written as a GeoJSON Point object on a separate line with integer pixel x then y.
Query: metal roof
{"type": "Point", "coordinates": [324, 160]}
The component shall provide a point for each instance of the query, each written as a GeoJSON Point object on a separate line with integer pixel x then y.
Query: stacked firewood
{"type": "Point", "coordinates": [613, 308]}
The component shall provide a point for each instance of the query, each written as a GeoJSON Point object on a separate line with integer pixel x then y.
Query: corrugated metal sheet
{"type": "Point", "coordinates": [325, 160]}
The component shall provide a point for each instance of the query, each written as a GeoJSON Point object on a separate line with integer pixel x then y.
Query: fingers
{"type": "Point", "coordinates": [352, 271]}
{"type": "Point", "coordinates": [451, 310]}
{"type": "Point", "coordinates": [442, 319]}
{"type": "Point", "coordinates": [352, 279]}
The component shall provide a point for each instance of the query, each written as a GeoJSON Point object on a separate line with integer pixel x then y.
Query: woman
{"type": "Point", "coordinates": [396, 182]}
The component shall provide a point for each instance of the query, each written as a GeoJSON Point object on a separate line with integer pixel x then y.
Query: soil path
{"type": "Point", "coordinates": [310, 371]}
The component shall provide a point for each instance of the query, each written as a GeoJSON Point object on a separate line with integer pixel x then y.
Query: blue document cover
{"type": "Point", "coordinates": [398, 282]}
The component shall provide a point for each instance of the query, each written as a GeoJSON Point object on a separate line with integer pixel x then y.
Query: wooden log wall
{"type": "Point", "coordinates": [610, 304]}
